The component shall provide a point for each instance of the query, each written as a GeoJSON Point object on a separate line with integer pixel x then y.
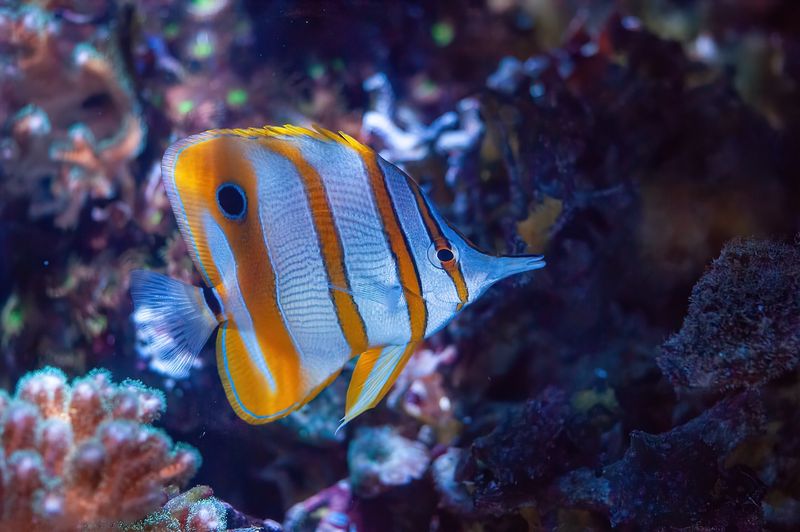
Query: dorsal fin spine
{"type": "Point", "coordinates": [315, 132]}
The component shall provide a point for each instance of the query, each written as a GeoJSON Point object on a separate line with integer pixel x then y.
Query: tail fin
{"type": "Point", "coordinates": [172, 319]}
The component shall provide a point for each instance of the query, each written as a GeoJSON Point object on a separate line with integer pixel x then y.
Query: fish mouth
{"type": "Point", "coordinates": [507, 266]}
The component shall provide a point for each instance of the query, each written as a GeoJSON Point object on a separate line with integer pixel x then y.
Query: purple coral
{"type": "Point", "coordinates": [529, 447]}
{"type": "Point", "coordinates": [680, 479]}
{"type": "Point", "coordinates": [743, 325]}
{"type": "Point", "coordinates": [84, 455]}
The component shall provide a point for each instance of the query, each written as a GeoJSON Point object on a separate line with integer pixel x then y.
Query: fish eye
{"type": "Point", "coordinates": [445, 255]}
{"type": "Point", "coordinates": [232, 201]}
{"type": "Point", "coordinates": [442, 255]}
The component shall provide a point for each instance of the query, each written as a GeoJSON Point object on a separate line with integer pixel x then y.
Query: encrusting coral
{"type": "Point", "coordinates": [84, 455]}
{"type": "Point", "coordinates": [196, 510]}
{"type": "Point", "coordinates": [380, 459]}
{"type": "Point", "coordinates": [681, 478]}
{"type": "Point", "coordinates": [743, 325]}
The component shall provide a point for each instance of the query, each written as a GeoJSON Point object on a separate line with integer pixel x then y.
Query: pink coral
{"type": "Point", "coordinates": [75, 121]}
{"type": "Point", "coordinates": [84, 455]}
{"type": "Point", "coordinates": [331, 506]}
{"type": "Point", "coordinates": [421, 393]}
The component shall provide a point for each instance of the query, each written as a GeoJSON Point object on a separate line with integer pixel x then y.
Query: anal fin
{"type": "Point", "coordinates": [262, 386]}
{"type": "Point", "coordinates": [376, 371]}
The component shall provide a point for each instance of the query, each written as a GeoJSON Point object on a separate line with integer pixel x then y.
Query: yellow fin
{"type": "Point", "coordinates": [374, 375]}
{"type": "Point", "coordinates": [289, 130]}
{"type": "Point", "coordinates": [256, 395]}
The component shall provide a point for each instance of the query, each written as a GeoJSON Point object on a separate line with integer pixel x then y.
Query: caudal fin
{"type": "Point", "coordinates": [173, 320]}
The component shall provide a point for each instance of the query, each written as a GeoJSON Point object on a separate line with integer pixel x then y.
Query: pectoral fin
{"type": "Point", "coordinates": [172, 319]}
{"type": "Point", "coordinates": [373, 377]}
{"type": "Point", "coordinates": [387, 296]}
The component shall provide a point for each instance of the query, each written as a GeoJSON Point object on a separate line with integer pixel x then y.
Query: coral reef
{"type": "Point", "coordinates": [385, 468]}
{"type": "Point", "coordinates": [679, 479]}
{"type": "Point", "coordinates": [194, 510]}
{"type": "Point", "coordinates": [628, 141]}
{"type": "Point", "coordinates": [84, 455]}
{"type": "Point", "coordinates": [527, 449]}
{"type": "Point", "coordinates": [380, 459]}
{"type": "Point", "coordinates": [743, 324]}
{"type": "Point", "coordinates": [197, 510]}
{"type": "Point", "coordinates": [74, 120]}
{"type": "Point", "coordinates": [333, 503]}
{"type": "Point", "coordinates": [420, 392]}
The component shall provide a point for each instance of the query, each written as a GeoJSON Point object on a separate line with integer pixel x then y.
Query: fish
{"type": "Point", "coordinates": [313, 250]}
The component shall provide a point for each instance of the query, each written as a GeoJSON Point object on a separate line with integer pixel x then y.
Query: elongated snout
{"type": "Point", "coordinates": [506, 266]}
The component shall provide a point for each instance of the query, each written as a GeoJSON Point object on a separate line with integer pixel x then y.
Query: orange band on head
{"type": "Point", "coordinates": [199, 171]}
{"type": "Point", "coordinates": [452, 267]}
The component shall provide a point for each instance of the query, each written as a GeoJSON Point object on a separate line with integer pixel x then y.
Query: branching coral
{"type": "Point", "coordinates": [743, 325]}
{"type": "Point", "coordinates": [407, 139]}
{"type": "Point", "coordinates": [85, 454]}
{"type": "Point", "coordinates": [73, 119]}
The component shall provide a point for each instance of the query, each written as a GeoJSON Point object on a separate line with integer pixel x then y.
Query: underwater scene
{"type": "Point", "coordinates": [477, 265]}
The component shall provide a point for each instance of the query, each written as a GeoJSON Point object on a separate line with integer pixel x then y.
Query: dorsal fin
{"type": "Point", "coordinates": [288, 130]}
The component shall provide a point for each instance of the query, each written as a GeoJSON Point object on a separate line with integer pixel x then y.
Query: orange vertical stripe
{"type": "Point", "coordinates": [406, 267]}
{"type": "Point", "coordinates": [350, 320]}
{"type": "Point", "coordinates": [437, 237]}
{"type": "Point", "coordinates": [198, 173]}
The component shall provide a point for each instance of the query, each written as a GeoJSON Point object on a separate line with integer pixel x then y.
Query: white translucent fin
{"type": "Point", "coordinates": [373, 376]}
{"type": "Point", "coordinates": [387, 296]}
{"type": "Point", "coordinates": [172, 319]}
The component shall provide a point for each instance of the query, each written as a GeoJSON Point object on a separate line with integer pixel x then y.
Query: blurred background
{"type": "Point", "coordinates": [627, 140]}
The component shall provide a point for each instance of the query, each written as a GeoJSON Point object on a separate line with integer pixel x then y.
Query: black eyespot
{"type": "Point", "coordinates": [232, 201]}
{"type": "Point", "coordinates": [445, 255]}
